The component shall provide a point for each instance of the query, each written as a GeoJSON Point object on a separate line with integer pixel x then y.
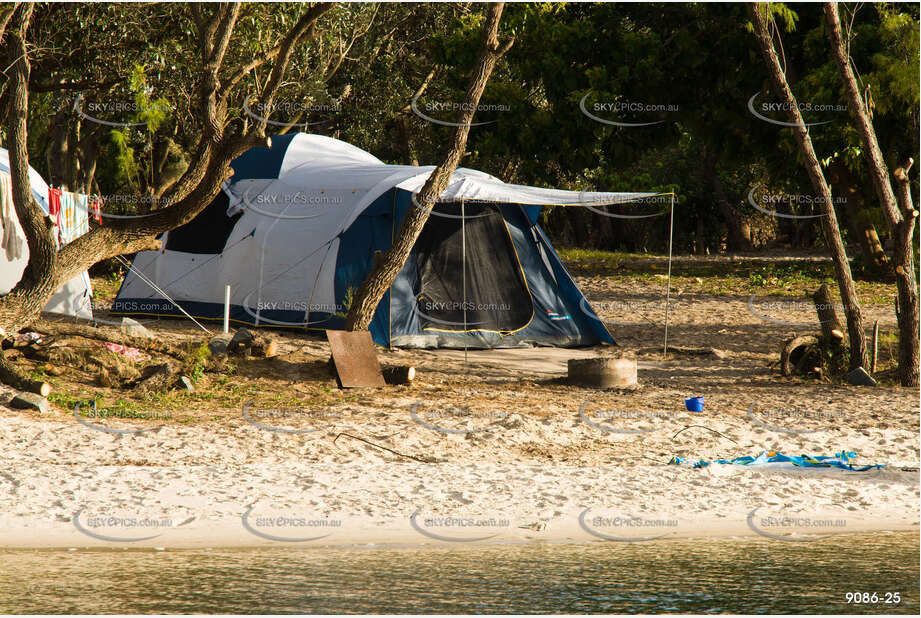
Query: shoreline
{"type": "Point", "coordinates": [398, 534]}
{"type": "Point", "coordinates": [383, 505]}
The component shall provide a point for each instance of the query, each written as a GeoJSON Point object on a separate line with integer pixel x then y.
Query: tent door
{"type": "Point", "coordinates": [497, 295]}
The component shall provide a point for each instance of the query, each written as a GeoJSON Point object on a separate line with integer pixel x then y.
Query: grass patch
{"type": "Point", "coordinates": [741, 277]}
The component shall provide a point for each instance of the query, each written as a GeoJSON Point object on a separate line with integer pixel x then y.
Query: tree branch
{"type": "Point", "coordinates": [6, 13]}
{"type": "Point", "coordinates": [859, 112]}
{"type": "Point", "coordinates": [301, 30]}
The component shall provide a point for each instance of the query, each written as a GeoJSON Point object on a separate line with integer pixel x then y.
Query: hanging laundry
{"type": "Point", "coordinates": [72, 213]}
{"type": "Point", "coordinates": [54, 205]}
{"type": "Point", "coordinates": [68, 217]}
{"type": "Point", "coordinates": [11, 243]}
{"type": "Point", "coordinates": [97, 209]}
{"type": "Point", "coordinates": [81, 215]}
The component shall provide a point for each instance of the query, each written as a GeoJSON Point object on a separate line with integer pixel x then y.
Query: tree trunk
{"type": "Point", "coordinates": [908, 313]}
{"type": "Point", "coordinates": [9, 375]}
{"type": "Point", "coordinates": [404, 126]}
{"type": "Point", "coordinates": [59, 149]}
{"type": "Point", "coordinates": [858, 351]}
{"type": "Point", "coordinates": [901, 224]}
{"type": "Point", "coordinates": [384, 271]}
{"type": "Point", "coordinates": [25, 300]}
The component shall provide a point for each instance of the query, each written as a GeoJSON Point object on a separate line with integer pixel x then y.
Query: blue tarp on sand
{"type": "Point", "coordinates": [840, 460]}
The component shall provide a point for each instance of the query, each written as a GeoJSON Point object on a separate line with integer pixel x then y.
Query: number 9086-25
{"type": "Point", "coordinates": [873, 597]}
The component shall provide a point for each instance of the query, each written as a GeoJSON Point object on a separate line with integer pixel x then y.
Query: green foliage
{"type": "Point", "coordinates": [347, 302]}
{"type": "Point", "coordinates": [196, 361]}
{"type": "Point", "coordinates": [130, 142]}
{"type": "Point", "coordinates": [367, 61]}
{"type": "Point", "coordinates": [895, 65]}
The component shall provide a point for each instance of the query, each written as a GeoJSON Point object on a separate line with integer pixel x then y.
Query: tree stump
{"type": "Point", "coordinates": [264, 346]}
{"type": "Point", "coordinates": [602, 372]}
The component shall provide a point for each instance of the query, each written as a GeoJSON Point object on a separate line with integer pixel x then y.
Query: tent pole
{"type": "Point", "coordinates": [464, 271]}
{"type": "Point", "coordinates": [668, 284]}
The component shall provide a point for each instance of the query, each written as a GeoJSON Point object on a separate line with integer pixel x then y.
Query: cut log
{"type": "Point", "coordinates": [796, 352]}
{"type": "Point", "coordinates": [133, 328]}
{"type": "Point", "coordinates": [10, 376]}
{"type": "Point", "coordinates": [355, 359]}
{"type": "Point", "coordinates": [602, 372]}
{"type": "Point", "coordinates": [30, 401]}
{"type": "Point", "coordinates": [832, 329]}
{"type": "Point", "coordinates": [264, 346]}
{"type": "Point", "coordinates": [241, 343]}
{"type": "Point", "coordinates": [35, 353]}
{"type": "Point", "coordinates": [219, 344]}
{"type": "Point", "coordinates": [399, 374]}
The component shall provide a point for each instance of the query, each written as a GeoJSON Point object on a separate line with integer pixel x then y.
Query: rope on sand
{"type": "Point", "coordinates": [389, 450]}
{"type": "Point", "coordinates": [708, 429]}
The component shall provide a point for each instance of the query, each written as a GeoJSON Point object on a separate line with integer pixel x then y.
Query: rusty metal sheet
{"type": "Point", "coordinates": [355, 358]}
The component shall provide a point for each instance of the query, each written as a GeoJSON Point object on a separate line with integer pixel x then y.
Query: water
{"type": "Point", "coordinates": [742, 576]}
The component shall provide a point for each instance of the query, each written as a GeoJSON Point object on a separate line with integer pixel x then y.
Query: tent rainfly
{"type": "Point", "coordinates": [296, 228]}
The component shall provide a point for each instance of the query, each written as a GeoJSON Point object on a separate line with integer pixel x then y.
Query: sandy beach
{"type": "Point", "coordinates": [496, 448]}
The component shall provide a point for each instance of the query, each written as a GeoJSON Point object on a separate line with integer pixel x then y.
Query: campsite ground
{"type": "Point", "coordinates": [519, 443]}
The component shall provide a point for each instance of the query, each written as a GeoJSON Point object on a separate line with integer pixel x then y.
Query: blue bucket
{"type": "Point", "coordinates": [694, 404]}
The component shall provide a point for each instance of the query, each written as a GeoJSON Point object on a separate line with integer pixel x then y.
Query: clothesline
{"type": "Point", "coordinates": [71, 213]}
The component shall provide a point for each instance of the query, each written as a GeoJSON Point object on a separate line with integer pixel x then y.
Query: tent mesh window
{"type": "Point", "coordinates": [208, 232]}
{"type": "Point", "coordinates": [497, 297]}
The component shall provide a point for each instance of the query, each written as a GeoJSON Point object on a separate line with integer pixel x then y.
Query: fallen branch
{"type": "Point", "coordinates": [11, 376]}
{"type": "Point", "coordinates": [88, 332]}
{"type": "Point", "coordinates": [788, 366]}
{"type": "Point", "coordinates": [389, 450]}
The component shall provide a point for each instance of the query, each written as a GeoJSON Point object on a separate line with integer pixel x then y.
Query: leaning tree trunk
{"type": "Point", "coordinates": [843, 276]}
{"type": "Point", "coordinates": [220, 142]}
{"type": "Point", "coordinates": [901, 224]}
{"type": "Point", "coordinates": [386, 267]}
{"type": "Point", "coordinates": [832, 331]}
{"type": "Point", "coordinates": [38, 283]}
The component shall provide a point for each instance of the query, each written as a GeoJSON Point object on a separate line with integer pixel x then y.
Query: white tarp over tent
{"type": "Point", "coordinates": [295, 203]}
{"type": "Point", "coordinates": [329, 171]}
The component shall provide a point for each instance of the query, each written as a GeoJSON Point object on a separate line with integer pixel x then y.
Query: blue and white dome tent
{"type": "Point", "coordinates": [295, 232]}
{"type": "Point", "coordinates": [74, 298]}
